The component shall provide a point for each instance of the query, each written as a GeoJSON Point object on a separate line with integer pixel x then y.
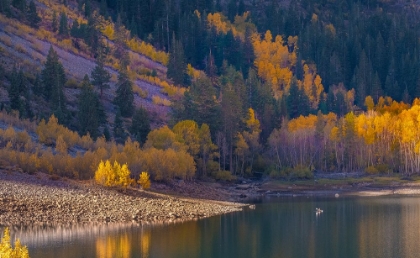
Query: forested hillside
{"type": "Point", "coordinates": [225, 88]}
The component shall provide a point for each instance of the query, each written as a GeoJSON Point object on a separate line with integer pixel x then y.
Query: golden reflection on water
{"type": "Point", "coordinates": [145, 243]}
{"type": "Point", "coordinates": [113, 246]}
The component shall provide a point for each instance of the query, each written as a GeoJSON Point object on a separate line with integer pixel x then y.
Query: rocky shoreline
{"type": "Point", "coordinates": [38, 200]}
{"type": "Point", "coordinates": [44, 200]}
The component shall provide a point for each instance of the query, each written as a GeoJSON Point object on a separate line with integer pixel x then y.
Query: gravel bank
{"type": "Point", "coordinates": [38, 200]}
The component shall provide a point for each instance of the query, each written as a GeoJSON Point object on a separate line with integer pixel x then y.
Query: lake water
{"type": "Point", "coordinates": [278, 227]}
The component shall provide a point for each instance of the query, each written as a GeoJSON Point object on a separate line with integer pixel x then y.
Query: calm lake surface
{"type": "Point", "coordinates": [278, 227]}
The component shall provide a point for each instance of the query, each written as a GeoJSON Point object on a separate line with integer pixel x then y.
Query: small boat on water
{"type": "Point", "coordinates": [318, 210]}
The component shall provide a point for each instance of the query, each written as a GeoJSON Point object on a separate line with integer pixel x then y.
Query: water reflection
{"type": "Point", "coordinates": [288, 227]}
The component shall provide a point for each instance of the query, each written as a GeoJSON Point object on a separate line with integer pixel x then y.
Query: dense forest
{"type": "Point", "coordinates": [284, 88]}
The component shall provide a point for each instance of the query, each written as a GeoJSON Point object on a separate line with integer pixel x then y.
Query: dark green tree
{"type": "Point", "coordinates": [103, 9]}
{"type": "Point", "coordinates": [88, 8]}
{"type": "Point", "coordinates": [5, 7]}
{"type": "Point", "coordinates": [140, 126]}
{"type": "Point", "coordinates": [53, 79]}
{"type": "Point", "coordinates": [63, 28]}
{"type": "Point", "coordinates": [19, 4]}
{"type": "Point", "coordinates": [90, 113]}
{"type": "Point", "coordinates": [32, 15]}
{"type": "Point", "coordinates": [200, 104]}
{"type": "Point", "coordinates": [176, 64]}
{"type": "Point", "coordinates": [19, 94]}
{"type": "Point", "coordinates": [75, 30]}
{"type": "Point", "coordinates": [15, 89]}
{"type": "Point", "coordinates": [37, 87]}
{"type": "Point", "coordinates": [297, 101]}
{"type": "Point", "coordinates": [100, 76]}
{"type": "Point", "coordinates": [124, 98]}
{"type": "Point", "coordinates": [119, 132]}
{"type": "Point", "coordinates": [106, 133]}
{"type": "Point", "coordinates": [54, 23]}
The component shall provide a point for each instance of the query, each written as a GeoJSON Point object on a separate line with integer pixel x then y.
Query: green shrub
{"type": "Point", "coordinates": [72, 84]}
{"type": "Point", "coordinates": [371, 170]}
{"type": "Point", "coordinates": [383, 168]}
{"type": "Point", "coordinates": [223, 175]}
{"type": "Point", "coordinates": [301, 172]}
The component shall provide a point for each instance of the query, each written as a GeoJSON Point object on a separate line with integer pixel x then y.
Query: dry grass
{"type": "Point", "coordinates": [140, 92]}
{"type": "Point", "coordinates": [13, 120]}
{"type": "Point", "coordinates": [6, 40]}
{"type": "Point", "coordinates": [161, 101]}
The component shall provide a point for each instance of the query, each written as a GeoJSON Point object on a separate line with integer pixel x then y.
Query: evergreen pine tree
{"type": "Point", "coordinates": [133, 28]}
{"type": "Point", "coordinates": [53, 80]}
{"type": "Point", "coordinates": [124, 98]}
{"type": "Point", "coordinates": [63, 29]}
{"type": "Point", "coordinates": [297, 101]}
{"type": "Point", "coordinates": [32, 15]}
{"type": "Point", "coordinates": [100, 76]}
{"type": "Point", "coordinates": [5, 7]}
{"type": "Point", "coordinates": [88, 113]}
{"type": "Point", "coordinates": [37, 87]}
{"type": "Point", "coordinates": [140, 126]}
{"type": "Point", "coordinates": [103, 9]}
{"type": "Point", "coordinates": [176, 64]}
{"type": "Point", "coordinates": [74, 31]}
{"type": "Point", "coordinates": [15, 89]}
{"type": "Point", "coordinates": [119, 132]}
{"type": "Point", "coordinates": [88, 8]}
{"type": "Point", "coordinates": [20, 5]}
{"type": "Point", "coordinates": [54, 23]}
{"type": "Point", "coordinates": [200, 105]}
{"type": "Point", "coordinates": [106, 133]}
{"type": "Point", "coordinates": [232, 10]}
{"type": "Point", "coordinates": [376, 88]}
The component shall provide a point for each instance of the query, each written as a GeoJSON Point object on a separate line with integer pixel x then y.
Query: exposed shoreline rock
{"type": "Point", "coordinates": [37, 200]}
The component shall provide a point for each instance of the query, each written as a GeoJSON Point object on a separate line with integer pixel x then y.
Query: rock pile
{"type": "Point", "coordinates": [26, 199]}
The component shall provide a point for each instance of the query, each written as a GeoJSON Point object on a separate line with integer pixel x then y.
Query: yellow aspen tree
{"type": "Point", "coordinates": [60, 145]}
{"type": "Point", "coordinates": [144, 180]}
{"type": "Point", "coordinates": [124, 176]}
{"type": "Point", "coordinates": [100, 174]}
{"type": "Point", "coordinates": [7, 250]}
{"type": "Point", "coordinates": [369, 104]}
{"type": "Point", "coordinates": [241, 151]}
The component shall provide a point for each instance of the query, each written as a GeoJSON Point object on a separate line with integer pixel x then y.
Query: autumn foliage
{"type": "Point", "coordinates": [7, 250]}
{"type": "Point", "coordinates": [276, 60]}
{"type": "Point", "coordinates": [383, 140]}
{"type": "Point", "coordinates": [144, 180]}
{"type": "Point", "coordinates": [112, 175]}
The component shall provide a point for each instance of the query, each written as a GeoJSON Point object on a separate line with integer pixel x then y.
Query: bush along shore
{"type": "Point", "coordinates": [39, 200]}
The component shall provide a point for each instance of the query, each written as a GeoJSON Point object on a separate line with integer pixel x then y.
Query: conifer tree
{"type": "Point", "coordinates": [54, 23]}
{"type": "Point", "coordinates": [37, 87]}
{"type": "Point", "coordinates": [140, 126]}
{"type": "Point", "coordinates": [74, 31]}
{"type": "Point", "coordinates": [176, 64]}
{"type": "Point", "coordinates": [16, 88]}
{"type": "Point", "coordinates": [103, 9]}
{"type": "Point", "coordinates": [100, 76]}
{"type": "Point", "coordinates": [63, 28]}
{"type": "Point", "coordinates": [106, 133]}
{"type": "Point", "coordinates": [89, 113]}
{"type": "Point", "coordinates": [53, 78]}
{"type": "Point", "coordinates": [5, 7]}
{"type": "Point", "coordinates": [200, 104]}
{"type": "Point", "coordinates": [297, 101]}
{"type": "Point", "coordinates": [19, 4]}
{"type": "Point", "coordinates": [119, 132]}
{"type": "Point", "coordinates": [32, 15]}
{"type": "Point", "coordinates": [124, 98]}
